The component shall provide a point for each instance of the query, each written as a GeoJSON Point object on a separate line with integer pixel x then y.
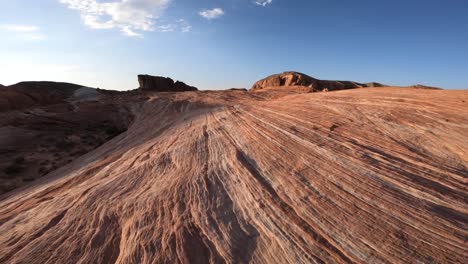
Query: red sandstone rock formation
{"type": "Point", "coordinates": [285, 79]}
{"type": "Point", "coordinates": [355, 176]}
{"type": "Point", "coordinates": [296, 79]}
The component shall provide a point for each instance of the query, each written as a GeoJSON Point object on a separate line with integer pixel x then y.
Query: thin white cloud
{"type": "Point", "coordinates": [19, 28]}
{"type": "Point", "coordinates": [25, 32]}
{"type": "Point", "coordinates": [211, 13]}
{"type": "Point", "coordinates": [36, 36]}
{"type": "Point", "coordinates": [186, 29]}
{"type": "Point", "coordinates": [184, 26]}
{"type": "Point", "coordinates": [263, 2]}
{"type": "Point", "coordinates": [180, 25]}
{"type": "Point", "coordinates": [132, 17]}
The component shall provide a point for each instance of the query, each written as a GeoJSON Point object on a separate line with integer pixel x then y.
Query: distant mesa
{"type": "Point", "coordinates": [374, 84]}
{"type": "Point", "coordinates": [57, 87]}
{"type": "Point", "coordinates": [238, 89]}
{"type": "Point", "coordinates": [162, 84]}
{"type": "Point", "coordinates": [294, 79]}
{"type": "Point", "coordinates": [420, 86]}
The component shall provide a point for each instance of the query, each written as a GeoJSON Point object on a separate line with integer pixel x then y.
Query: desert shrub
{"type": "Point", "coordinates": [64, 145]}
{"type": "Point", "coordinates": [111, 131]}
{"type": "Point", "coordinates": [13, 169]}
{"type": "Point", "coordinates": [89, 137]}
{"type": "Point", "coordinates": [79, 152]}
{"type": "Point", "coordinates": [19, 160]}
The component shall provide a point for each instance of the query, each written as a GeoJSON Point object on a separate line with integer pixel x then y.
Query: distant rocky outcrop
{"type": "Point", "coordinates": [294, 79]}
{"type": "Point", "coordinates": [375, 84]}
{"type": "Point", "coordinates": [285, 79]}
{"type": "Point", "coordinates": [420, 86]}
{"type": "Point", "coordinates": [162, 84]}
{"type": "Point", "coordinates": [238, 89]}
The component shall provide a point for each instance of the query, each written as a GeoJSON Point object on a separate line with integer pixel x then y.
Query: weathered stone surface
{"type": "Point", "coordinates": [162, 84]}
{"type": "Point", "coordinates": [285, 79]}
{"type": "Point", "coordinates": [372, 175]}
{"type": "Point", "coordinates": [295, 79]}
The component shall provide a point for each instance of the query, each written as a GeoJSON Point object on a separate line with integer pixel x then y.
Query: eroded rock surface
{"type": "Point", "coordinates": [296, 79]}
{"type": "Point", "coordinates": [356, 176]}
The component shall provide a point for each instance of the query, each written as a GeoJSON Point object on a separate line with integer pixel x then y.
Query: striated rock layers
{"type": "Point", "coordinates": [162, 84]}
{"type": "Point", "coordinates": [374, 175]}
{"type": "Point", "coordinates": [290, 79]}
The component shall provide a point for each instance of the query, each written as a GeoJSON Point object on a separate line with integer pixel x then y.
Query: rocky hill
{"type": "Point", "coordinates": [46, 125]}
{"type": "Point", "coordinates": [28, 94]}
{"type": "Point", "coordinates": [294, 79]}
{"type": "Point", "coordinates": [373, 175]}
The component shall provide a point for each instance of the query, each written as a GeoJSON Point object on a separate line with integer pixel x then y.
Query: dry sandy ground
{"type": "Point", "coordinates": [358, 176]}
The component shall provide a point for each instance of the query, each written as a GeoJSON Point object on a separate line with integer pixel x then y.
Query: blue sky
{"type": "Point", "coordinates": [217, 44]}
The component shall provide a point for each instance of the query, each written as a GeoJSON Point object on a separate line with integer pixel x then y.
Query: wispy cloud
{"type": "Point", "coordinates": [186, 29]}
{"type": "Point", "coordinates": [27, 32]}
{"type": "Point", "coordinates": [180, 25]}
{"type": "Point", "coordinates": [132, 17]}
{"type": "Point", "coordinates": [211, 13]}
{"type": "Point", "coordinates": [36, 36]}
{"type": "Point", "coordinates": [18, 28]}
{"type": "Point", "coordinates": [263, 2]}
